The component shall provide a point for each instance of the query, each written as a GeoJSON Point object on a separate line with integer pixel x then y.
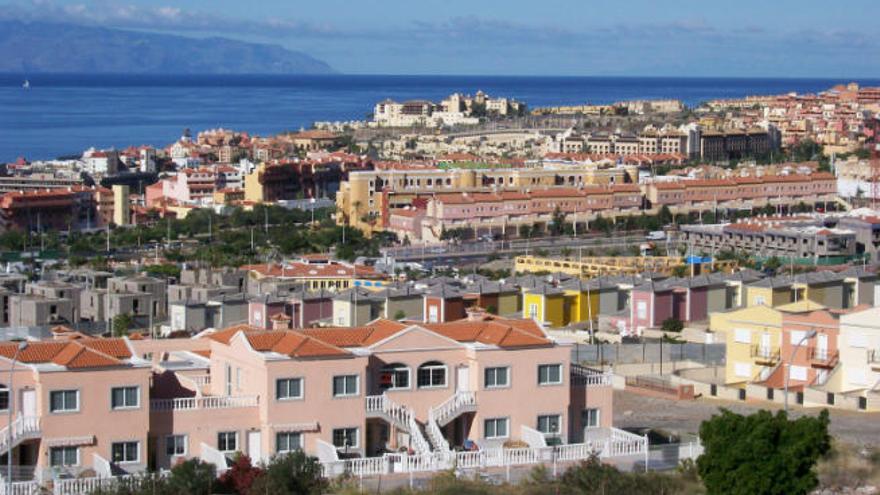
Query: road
{"type": "Point", "coordinates": [684, 417]}
{"type": "Point", "coordinates": [518, 246]}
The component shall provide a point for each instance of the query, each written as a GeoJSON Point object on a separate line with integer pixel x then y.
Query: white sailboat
{"type": "Point", "coordinates": [26, 84]}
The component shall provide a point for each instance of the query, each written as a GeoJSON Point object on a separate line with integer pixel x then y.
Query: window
{"type": "Point", "coordinates": [743, 336]}
{"type": "Point", "coordinates": [549, 423]}
{"type": "Point", "coordinates": [288, 388]}
{"type": "Point", "coordinates": [797, 336]}
{"type": "Point", "coordinates": [227, 441]}
{"type": "Point", "coordinates": [125, 397]}
{"type": "Point", "coordinates": [590, 418]}
{"type": "Point", "coordinates": [288, 442]}
{"type": "Point", "coordinates": [345, 385]}
{"type": "Point", "coordinates": [495, 428]}
{"type": "Point", "coordinates": [797, 373]}
{"type": "Point", "coordinates": [4, 398]}
{"type": "Point", "coordinates": [759, 300]}
{"type": "Point", "coordinates": [228, 380]}
{"type": "Point", "coordinates": [432, 374]}
{"type": "Point", "coordinates": [394, 377]}
{"type": "Point", "coordinates": [64, 401]}
{"type": "Point", "coordinates": [549, 374]}
{"type": "Point", "coordinates": [64, 456]}
{"type": "Point", "coordinates": [345, 437]}
{"type": "Point", "coordinates": [175, 445]}
{"type": "Point", "coordinates": [742, 369]}
{"type": "Point", "coordinates": [497, 377]}
{"type": "Point", "coordinates": [125, 452]}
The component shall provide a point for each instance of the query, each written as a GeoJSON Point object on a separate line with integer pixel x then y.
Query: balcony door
{"type": "Point", "coordinates": [765, 343]}
{"type": "Point", "coordinates": [822, 346]}
{"type": "Point", "coordinates": [463, 379]}
{"type": "Point", "coordinates": [28, 405]}
{"type": "Point", "coordinates": [254, 444]}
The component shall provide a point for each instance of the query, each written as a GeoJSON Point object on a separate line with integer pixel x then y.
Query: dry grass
{"type": "Point", "coordinates": [849, 467]}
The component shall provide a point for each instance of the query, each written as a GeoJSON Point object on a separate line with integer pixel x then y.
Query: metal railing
{"type": "Point", "coordinates": [765, 353]}
{"type": "Point", "coordinates": [823, 356]}
{"type": "Point", "coordinates": [197, 403]}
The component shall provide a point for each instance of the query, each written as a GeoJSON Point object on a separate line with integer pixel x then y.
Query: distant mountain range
{"type": "Point", "coordinates": [35, 47]}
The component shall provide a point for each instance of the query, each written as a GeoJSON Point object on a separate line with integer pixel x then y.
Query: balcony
{"type": "Point", "coordinates": [765, 354]}
{"type": "Point", "coordinates": [823, 358]}
{"type": "Point", "coordinates": [201, 403]}
{"type": "Point", "coordinates": [588, 377]}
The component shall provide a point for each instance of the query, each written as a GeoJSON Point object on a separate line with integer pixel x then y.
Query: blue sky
{"type": "Point", "coordinates": [746, 38]}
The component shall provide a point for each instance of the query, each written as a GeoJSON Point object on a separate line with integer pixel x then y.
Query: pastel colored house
{"type": "Point", "coordinates": [753, 337]}
{"type": "Point", "coordinates": [404, 299]}
{"type": "Point", "coordinates": [355, 307]}
{"type": "Point", "coordinates": [308, 308]}
{"type": "Point", "coordinates": [859, 354]}
{"type": "Point", "coordinates": [443, 303]}
{"type": "Point", "coordinates": [79, 404]}
{"type": "Point", "coordinates": [501, 298]}
{"type": "Point", "coordinates": [545, 304]}
{"type": "Point", "coordinates": [582, 300]}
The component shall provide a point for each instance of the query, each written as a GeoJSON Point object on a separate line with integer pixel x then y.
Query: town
{"type": "Point", "coordinates": [469, 286]}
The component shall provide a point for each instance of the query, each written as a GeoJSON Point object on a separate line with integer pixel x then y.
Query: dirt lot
{"type": "Point", "coordinates": [684, 417]}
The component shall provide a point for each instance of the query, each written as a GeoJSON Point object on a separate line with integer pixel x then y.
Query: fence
{"type": "Point", "coordinates": [667, 457]}
{"type": "Point", "coordinates": [654, 352]}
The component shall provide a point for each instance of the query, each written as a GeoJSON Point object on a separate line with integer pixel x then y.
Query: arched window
{"type": "Point", "coordinates": [4, 397]}
{"type": "Point", "coordinates": [432, 374]}
{"type": "Point", "coordinates": [394, 376]}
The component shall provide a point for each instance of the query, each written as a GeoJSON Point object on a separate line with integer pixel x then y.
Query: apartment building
{"type": "Point", "coordinates": [317, 272]}
{"type": "Point", "coordinates": [366, 197]}
{"type": "Point", "coordinates": [343, 395]}
{"type": "Point", "coordinates": [80, 404]}
{"type": "Point", "coordinates": [502, 213]}
{"type": "Point", "coordinates": [756, 191]}
{"type": "Point", "coordinates": [859, 356]}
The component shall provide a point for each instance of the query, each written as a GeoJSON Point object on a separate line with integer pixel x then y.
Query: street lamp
{"type": "Point", "coordinates": [21, 347]}
{"type": "Point", "coordinates": [809, 335]}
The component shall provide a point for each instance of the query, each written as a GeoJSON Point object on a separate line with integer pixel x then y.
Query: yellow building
{"type": "Point", "coordinates": [546, 305]}
{"type": "Point", "coordinates": [592, 266]}
{"type": "Point", "coordinates": [753, 336]}
{"type": "Point", "coordinates": [774, 292]}
{"type": "Point", "coordinates": [582, 301]}
{"type": "Point", "coordinates": [121, 205]}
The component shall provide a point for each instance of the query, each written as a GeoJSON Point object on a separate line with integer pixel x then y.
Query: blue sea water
{"type": "Point", "coordinates": [65, 114]}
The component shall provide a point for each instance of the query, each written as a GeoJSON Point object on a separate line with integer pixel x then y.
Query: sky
{"type": "Point", "coordinates": [748, 38]}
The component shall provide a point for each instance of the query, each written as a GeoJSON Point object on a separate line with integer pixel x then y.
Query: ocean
{"type": "Point", "coordinates": [63, 115]}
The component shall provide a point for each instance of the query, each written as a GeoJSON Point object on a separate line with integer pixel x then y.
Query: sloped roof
{"type": "Point", "coordinates": [73, 354]}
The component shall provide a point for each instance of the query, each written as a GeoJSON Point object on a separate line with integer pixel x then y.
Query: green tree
{"type": "Point", "coordinates": [672, 324]}
{"type": "Point", "coordinates": [773, 264]}
{"type": "Point", "coordinates": [399, 315]}
{"type": "Point", "coordinates": [193, 476]}
{"type": "Point", "coordinates": [291, 474]}
{"type": "Point", "coordinates": [763, 453]}
{"type": "Point", "coordinates": [122, 323]}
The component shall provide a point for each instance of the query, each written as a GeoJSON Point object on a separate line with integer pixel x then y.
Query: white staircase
{"type": "Point", "coordinates": [23, 428]}
{"type": "Point", "coordinates": [399, 416]}
{"type": "Point", "coordinates": [448, 410]}
{"type": "Point", "coordinates": [456, 405]}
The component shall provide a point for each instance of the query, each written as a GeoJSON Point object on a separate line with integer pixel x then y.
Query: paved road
{"type": "Point", "coordinates": [684, 417]}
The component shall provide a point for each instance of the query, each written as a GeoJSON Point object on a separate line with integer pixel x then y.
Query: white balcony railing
{"type": "Point", "coordinates": [198, 403]}
{"type": "Point", "coordinates": [23, 427]}
{"type": "Point", "coordinates": [583, 376]}
{"type": "Point", "coordinates": [453, 406]}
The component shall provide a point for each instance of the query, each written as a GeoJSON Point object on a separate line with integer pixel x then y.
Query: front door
{"type": "Point", "coordinates": [28, 402]}
{"type": "Point", "coordinates": [463, 383]}
{"type": "Point", "coordinates": [254, 444]}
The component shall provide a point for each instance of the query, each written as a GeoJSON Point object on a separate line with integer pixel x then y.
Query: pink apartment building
{"type": "Point", "coordinates": [418, 388]}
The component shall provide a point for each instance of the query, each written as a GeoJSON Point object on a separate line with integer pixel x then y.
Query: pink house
{"type": "Point", "coordinates": [349, 396]}
{"type": "Point", "coordinates": [816, 356]}
{"type": "Point", "coordinates": [78, 404]}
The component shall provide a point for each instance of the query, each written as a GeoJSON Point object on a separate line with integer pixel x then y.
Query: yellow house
{"type": "Point", "coordinates": [582, 298]}
{"type": "Point", "coordinates": [545, 304]}
{"type": "Point", "coordinates": [774, 292]}
{"type": "Point", "coordinates": [754, 336]}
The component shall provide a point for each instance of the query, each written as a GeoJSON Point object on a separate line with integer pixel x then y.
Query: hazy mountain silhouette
{"type": "Point", "coordinates": [35, 47]}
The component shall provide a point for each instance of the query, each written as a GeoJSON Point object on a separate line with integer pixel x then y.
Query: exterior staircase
{"type": "Point", "coordinates": [399, 416]}
{"type": "Point", "coordinates": [440, 416]}
{"type": "Point", "coordinates": [22, 428]}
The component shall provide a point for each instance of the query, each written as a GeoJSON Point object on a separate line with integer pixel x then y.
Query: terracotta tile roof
{"type": "Point", "coordinates": [500, 332]}
{"type": "Point", "coordinates": [358, 336]}
{"type": "Point", "coordinates": [293, 344]}
{"type": "Point", "coordinates": [74, 354]}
